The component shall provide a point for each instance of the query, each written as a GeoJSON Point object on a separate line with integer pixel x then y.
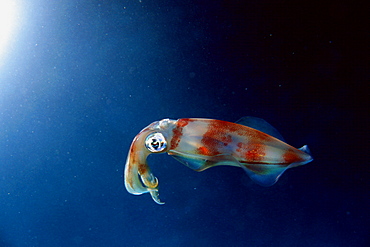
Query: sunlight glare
{"type": "Point", "coordinates": [7, 23]}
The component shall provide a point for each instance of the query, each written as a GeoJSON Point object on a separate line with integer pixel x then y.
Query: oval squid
{"type": "Point", "coordinates": [251, 143]}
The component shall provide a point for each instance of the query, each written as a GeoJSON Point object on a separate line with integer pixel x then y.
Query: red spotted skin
{"type": "Point", "coordinates": [253, 152]}
{"type": "Point", "coordinates": [177, 131]}
{"type": "Point", "coordinates": [215, 137]}
{"type": "Point", "coordinates": [203, 143]}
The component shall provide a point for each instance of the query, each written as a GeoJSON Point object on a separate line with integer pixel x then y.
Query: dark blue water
{"type": "Point", "coordinates": [81, 78]}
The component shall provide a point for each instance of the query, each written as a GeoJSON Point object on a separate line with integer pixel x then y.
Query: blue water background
{"type": "Point", "coordinates": [82, 78]}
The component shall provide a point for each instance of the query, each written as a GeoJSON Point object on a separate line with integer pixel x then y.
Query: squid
{"type": "Point", "coordinates": [250, 143]}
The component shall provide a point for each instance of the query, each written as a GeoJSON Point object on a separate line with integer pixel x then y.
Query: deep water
{"type": "Point", "coordinates": [79, 79]}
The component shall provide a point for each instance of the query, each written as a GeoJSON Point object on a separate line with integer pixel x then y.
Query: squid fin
{"type": "Point", "coordinates": [261, 125]}
{"type": "Point", "coordinates": [265, 175]}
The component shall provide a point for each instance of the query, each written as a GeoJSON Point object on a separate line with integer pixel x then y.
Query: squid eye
{"type": "Point", "coordinates": [155, 142]}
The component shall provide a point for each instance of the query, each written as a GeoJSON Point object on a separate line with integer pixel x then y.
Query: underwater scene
{"type": "Point", "coordinates": [184, 123]}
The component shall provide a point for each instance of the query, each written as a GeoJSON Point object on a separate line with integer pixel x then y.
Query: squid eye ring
{"type": "Point", "coordinates": [155, 142]}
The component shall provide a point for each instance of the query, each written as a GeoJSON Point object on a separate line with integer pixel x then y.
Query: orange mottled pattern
{"type": "Point", "coordinates": [237, 129]}
{"type": "Point", "coordinates": [133, 156]}
{"type": "Point", "coordinates": [142, 169]}
{"type": "Point", "coordinates": [251, 152]}
{"type": "Point", "coordinates": [215, 139]}
{"type": "Point", "coordinates": [204, 151]}
{"type": "Point", "coordinates": [290, 156]}
{"type": "Point", "coordinates": [177, 131]}
{"type": "Point", "coordinates": [183, 122]}
{"type": "Point", "coordinates": [128, 179]}
{"type": "Point", "coordinates": [253, 148]}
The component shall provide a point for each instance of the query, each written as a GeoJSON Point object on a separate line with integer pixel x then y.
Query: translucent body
{"type": "Point", "coordinates": [204, 143]}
